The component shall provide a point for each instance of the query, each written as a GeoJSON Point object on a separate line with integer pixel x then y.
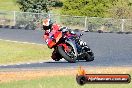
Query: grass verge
{"type": "Point", "coordinates": [58, 82]}
{"type": "Point", "coordinates": [58, 78]}
{"type": "Point", "coordinates": [11, 52]}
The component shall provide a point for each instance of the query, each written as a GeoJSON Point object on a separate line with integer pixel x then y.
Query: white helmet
{"type": "Point", "coordinates": [47, 24]}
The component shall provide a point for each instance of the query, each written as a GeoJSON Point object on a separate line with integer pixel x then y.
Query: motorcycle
{"type": "Point", "coordinates": [69, 46]}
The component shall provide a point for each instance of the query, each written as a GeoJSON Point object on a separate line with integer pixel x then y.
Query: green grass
{"type": "Point", "coordinates": [11, 52]}
{"type": "Point", "coordinates": [8, 5]}
{"type": "Point", "coordinates": [58, 82]}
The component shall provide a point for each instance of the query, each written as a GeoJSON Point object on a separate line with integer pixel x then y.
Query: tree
{"type": "Point", "coordinates": [121, 9]}
{"type": "Point", "coordinates": [36, 6]}
{"type": "Point", "coordinates": [55, 3]}
{"type": "Point", "coordinates": [98, 8]}
{"type": "Point", "coordinates": [94, 8]}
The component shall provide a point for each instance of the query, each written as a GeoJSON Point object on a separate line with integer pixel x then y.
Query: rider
{"type": "Point", "coordinates": [48, 26]}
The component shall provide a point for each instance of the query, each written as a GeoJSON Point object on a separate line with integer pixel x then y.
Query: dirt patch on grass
{"type": "Point", "coordinates": [7, 76]}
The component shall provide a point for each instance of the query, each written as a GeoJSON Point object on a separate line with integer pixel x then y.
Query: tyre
{"type": "Point", "coordinates": [89, 56]}
{"type": "Point", "coordinates": [66, 55]}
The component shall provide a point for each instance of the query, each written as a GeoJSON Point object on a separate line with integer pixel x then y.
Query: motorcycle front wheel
{"type": "Point", "coordinates": [68, 56]}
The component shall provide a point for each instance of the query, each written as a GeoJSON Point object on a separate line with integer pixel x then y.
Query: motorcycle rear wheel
{"type": "Point", "coordinates": [89, 56]}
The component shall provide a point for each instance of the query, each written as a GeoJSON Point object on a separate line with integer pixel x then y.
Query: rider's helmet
{"type": "Point", "coordinates": [47, 24]}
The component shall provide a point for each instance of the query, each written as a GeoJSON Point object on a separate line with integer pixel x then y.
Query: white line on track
{"type": "Point", "coordinates": [28, 63]}
{"type": "Point", "coordinates": [41, 62]}
{"type": "Point", "coordinates": [18, 64]}
{"type": "Point", "coordinates": [5, 65]}
{"type": "Point", "coordinates": [20, 42]}
{"type": "Point", "coordinates": [25, 63]}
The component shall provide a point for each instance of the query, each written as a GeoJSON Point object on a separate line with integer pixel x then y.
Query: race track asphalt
{"type": "Point", "coordinates": [110, 49]}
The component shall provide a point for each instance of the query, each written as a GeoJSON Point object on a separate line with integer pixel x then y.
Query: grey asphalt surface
{"type": "Point", "coordinates": [110, 49]}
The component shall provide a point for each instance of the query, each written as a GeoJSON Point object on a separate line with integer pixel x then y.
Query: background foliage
{"type": "Point", "coordinates": [120, 9]}
{"type": "Point", "coordinates": [98, 8]}
{"type": "Point", "coordinates": [38, 6]}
